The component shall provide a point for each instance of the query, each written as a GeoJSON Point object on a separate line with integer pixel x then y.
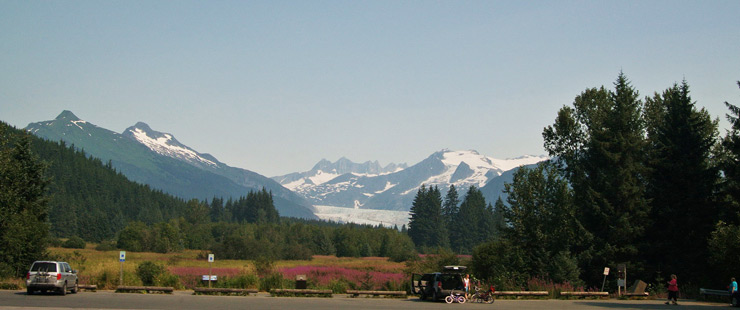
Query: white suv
{"type": "Point", "coordinates": [51, 276]}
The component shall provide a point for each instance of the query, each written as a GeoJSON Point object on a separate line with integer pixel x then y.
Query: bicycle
{"type": "Point", "coordinates": [486, 296]}
{"type": "Point", "coordinates": [455, 297]}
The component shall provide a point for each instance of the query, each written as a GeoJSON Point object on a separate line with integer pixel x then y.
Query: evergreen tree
{"type": "Point", "coordinates": [451, 206]}
{"type": "Point", "coordinates": [600, 146]}
{"type": "Point", "coordinates": [682, 180]}
{"type": "Point", "coordinates": [497, 218]}
{"type": "Point", "coordinates": [731, 165]}
{"type": "Point", "coordinates": [426, 226]}
{"type": "Point", "coordinates": [471, 225]}
{"type": "Point", "coordinates": [23, 204]}
{"type": "Point", "coordinates": [541, 221]}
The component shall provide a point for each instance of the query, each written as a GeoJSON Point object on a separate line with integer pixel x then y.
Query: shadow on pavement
{"type": "Point", "coordinates": [652, 305]}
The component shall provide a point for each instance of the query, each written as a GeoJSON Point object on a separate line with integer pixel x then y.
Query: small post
{"type": "Point", "coordinates": [606, 273]}
{"type": "Point", "coordinates": [210, 267]}
{"type": "Point", "coordinates": [122, 258]}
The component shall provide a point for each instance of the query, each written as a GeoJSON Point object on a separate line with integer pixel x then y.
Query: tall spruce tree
{"type": "Point", "coordinates": [682, 181]}
{"type": "Point", "coordinates": [24, 207]}
{"type": "Point", "coordinates": [472, 223]}
{"type": "Point", "coordinates": [731, 165]}
{"type": "Point", "coordinates": [600, 146]}
{"type": "Point", "coordinates": [426, 225]}
{"type": "Point", "coordinates": [450, 208]}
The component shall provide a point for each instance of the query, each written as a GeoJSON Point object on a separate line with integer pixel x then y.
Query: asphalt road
{"type": "Point", "coordinates": [184, 300]}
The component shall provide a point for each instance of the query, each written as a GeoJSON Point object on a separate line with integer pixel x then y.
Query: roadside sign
{"type": "Point", "coordinates": [606, 271]}
{"type": "Point", "coordinates": [212, 277]}
{"type": "Point", "coordinates": [122, 257]}
{"type": "Point", "coordinates": [210, 258]}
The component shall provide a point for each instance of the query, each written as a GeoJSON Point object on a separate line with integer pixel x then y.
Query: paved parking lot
{"type": "Point", "coordinates": [185, 300]}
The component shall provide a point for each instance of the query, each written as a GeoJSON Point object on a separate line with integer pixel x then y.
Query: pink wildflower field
{"type": "Point", "coordinates": [323, 275]}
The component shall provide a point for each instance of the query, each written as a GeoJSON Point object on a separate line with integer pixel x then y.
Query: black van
{"type": "Point", "coordinates": [437, 285]}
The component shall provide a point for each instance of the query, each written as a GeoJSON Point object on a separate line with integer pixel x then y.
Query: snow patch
{"type": "Point", "coordinates": [161, 146]}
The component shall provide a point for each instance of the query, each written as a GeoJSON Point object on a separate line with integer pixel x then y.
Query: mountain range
{"type": "Point", "coordinates": [159, 160]}
{"type": "Point", "coordinates": [394, 187]}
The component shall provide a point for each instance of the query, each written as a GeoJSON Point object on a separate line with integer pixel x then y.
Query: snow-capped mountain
{"type": "Point", "coordinates": [325, 171]}
{"type": "Point", "coordinates": [166, 145]}
{"type": "Point", "coordinates": [158, 159]}
{"type": "Point", "coordinates": [396, 190]}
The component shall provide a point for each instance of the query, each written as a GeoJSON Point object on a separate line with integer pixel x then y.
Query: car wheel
{"type": "Point", "coordinates": [64, 289]}
{"type": "Point", "coordinates": [75, 288]}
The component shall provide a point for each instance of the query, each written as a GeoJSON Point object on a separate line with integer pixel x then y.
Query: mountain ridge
{"type": "Point", "coordinates": [164, 163]}
{"type": "Point", "coordinates": [396, 190]}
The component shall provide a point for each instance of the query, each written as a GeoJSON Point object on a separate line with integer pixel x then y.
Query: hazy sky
{"type": "Point", "coordinates": [275, 86]}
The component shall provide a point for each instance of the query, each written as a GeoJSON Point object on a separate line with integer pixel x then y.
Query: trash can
{"type": "Point", "coordinates": [300, 282]}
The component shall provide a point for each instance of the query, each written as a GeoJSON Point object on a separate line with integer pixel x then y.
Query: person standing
{"type": "Point", "coordinates": [466, 285]}
{"type": "Point", "coordinates": [733, 287]}
{"type": "Point", "coordinates": [672, 290]}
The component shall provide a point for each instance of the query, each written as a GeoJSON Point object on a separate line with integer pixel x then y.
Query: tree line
{"type": "Point", "coordinates": [647, 183]}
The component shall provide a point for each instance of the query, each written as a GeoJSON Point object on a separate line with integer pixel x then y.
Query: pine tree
{"type": "Point", "coordinates": [471, 225]}
{"type": "Point", "coordinates": [541, 220]}
{"type": "Point", "coordinates": [600, 146]}
{"type": "Point", "coordinates": [426, 226]}
{"type": "Point", "coordinates": [682, 180]}
{"type": "Point", "coordinates": [731, 165]}
{"type": "Point", "coordinates": [23, 205]}
{"type": "Point", "coordinates": [450, 208]}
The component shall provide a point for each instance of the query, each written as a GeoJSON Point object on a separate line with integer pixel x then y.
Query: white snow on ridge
{"type": "Point", "coordinates": [77, 123]}
{"type": "Point", "coordinates": [511, 163]}
{"type": "Point", "coordinates": [161, 146]}
{"type": "Point", "coordinates": [322, 177]}
{"type": "Point", "coordinates": [388, 185]}
{"type": "Point", "coordinates": [472, 158]}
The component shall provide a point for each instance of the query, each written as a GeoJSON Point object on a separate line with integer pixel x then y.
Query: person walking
{"type": "Point", "coordinates": [733, 287]}
{"type": "Point", "coordinates": [672, 290]}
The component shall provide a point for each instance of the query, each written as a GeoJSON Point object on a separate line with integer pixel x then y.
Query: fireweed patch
{"type": "Point", "coordinates": [325, 276]}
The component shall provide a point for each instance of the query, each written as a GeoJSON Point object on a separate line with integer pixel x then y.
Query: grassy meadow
{"type": "Point", "coordinates": [184, 270]}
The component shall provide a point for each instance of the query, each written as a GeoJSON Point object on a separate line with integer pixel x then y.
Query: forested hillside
{"type": "Point", "coordinates": [52, 187]}
{"type": "Point", "coordinates": [89, 199]}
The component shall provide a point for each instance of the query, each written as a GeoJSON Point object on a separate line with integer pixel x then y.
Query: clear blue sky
{"type": "Point", "coordinates": [275, 86]}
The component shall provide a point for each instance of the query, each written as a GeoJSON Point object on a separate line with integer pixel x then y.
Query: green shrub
{"type": "Point", "coordinates": [74, 242]}
{"type": "Point", "coordinates": [272, 281]}
{"type": "Point", "coordinates": [109, 279]}
{"type": "Point", "coordinates": [338, 286]}
{"type": "Point", "coordinates": [168, 279]}
{"type": "Point", "coordinates": [108, 245]}
{"type": "Point", "coordinates": [239, 281]}
{"type": "Point", "coordinates": [149, 271]}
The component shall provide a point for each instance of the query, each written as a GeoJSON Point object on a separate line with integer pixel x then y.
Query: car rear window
{"type": "Point", "coordinates": [44, 267]}
{"type": "Point", "coordinates": [451, 281]}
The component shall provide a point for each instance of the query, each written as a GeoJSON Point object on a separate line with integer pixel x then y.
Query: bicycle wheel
{"type": "Point", "coordinates": [449, 299]}
{"type": "Point", "coordinates": [489, 299]}
{"type": "Point", "coordinates": [461, 299]}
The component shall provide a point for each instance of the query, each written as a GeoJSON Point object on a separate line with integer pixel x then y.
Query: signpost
{"type": "Point", "coordinates": [606, 273]}
{"type": "Point", "coordinates": [621, 278]}
{"type": "Point", "coordinates": [121, 258]}
{"type": "Point", "coordinates": [210, 265]}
